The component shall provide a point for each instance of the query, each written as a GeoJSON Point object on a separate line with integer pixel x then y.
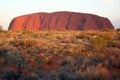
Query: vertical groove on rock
{"type": "Point", "coordinates": [26, 22]}
{"type": "Point", "coordinates": [56, 22]}
{"type": "Point", "coordinates": [33, 21]}
{"type": "Point", "coordinates": [83, 20]}
{"type": "Point", "coordinates": [49, 20]}
{"type": "Point", "coordinates": [68, 23]}
{"type": "Point", "coordinates": [42, 20]}
{"type": "Point", "coordinates": [98, 22]}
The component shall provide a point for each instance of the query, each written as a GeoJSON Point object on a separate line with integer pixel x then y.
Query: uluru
{"type": "Point", "coordinates": [63, 20]}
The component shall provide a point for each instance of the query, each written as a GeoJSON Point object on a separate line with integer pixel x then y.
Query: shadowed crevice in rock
{"type": "Point", "coordinates": [42, 20]}
{"type": "Point", "coordinates": [56, 22]}
{"type": "Point", "coordinates": [12, 22]}
{"type": "Point", "coordinates": [60, 21]}
{"type": "Point", "coordinates": [26, 22]}
{"type": "Point", "coordinates": [69, 20]}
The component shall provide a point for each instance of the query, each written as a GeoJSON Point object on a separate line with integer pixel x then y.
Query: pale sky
{"type": "Point", "coordinates": [105, 8]}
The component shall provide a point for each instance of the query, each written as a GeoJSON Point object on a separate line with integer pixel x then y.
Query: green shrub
{"type": "Point", "coordinates": [16, 43]}
{"type": "Point", "coordinates": [14, 57]}
{"type": "Point", "coordinates": [98, 44]}
{"type": "Point", "coordinates": [111, 43]}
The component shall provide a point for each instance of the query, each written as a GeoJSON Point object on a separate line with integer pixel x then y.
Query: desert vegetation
{"type": "Point", "coordinates": [60, 55]}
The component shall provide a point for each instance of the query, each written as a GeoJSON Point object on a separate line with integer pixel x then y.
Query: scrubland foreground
{"type": "Point", "coordinates": [60, 55]}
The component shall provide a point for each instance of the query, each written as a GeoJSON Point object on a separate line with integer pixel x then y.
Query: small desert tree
{"type": "Point", "coordinates": [118, 33]}
{"type": "Point", "coordinates": [1, 28]}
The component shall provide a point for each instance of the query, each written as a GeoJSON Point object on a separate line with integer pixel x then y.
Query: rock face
{"type": "Point", "coordinates": [60, 21]}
